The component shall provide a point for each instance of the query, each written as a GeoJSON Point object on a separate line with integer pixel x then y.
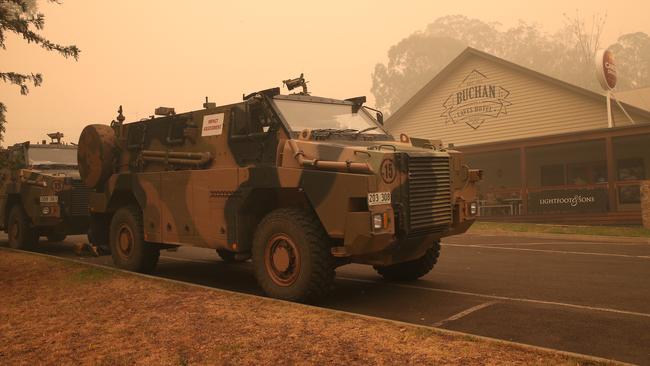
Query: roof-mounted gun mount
{"type": "Point", "coordinates": [294, 83]}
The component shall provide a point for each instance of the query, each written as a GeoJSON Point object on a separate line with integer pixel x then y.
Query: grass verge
{"type": "Point", "coordinates": [628, 231]}
{"type": "Point", "coordinates": [54, 312]}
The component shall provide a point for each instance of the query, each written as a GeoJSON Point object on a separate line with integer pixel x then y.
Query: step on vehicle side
{"type": "Point", "coordinates": [41, 193]}
{"type": "Point", "coordinates": [298, 183]}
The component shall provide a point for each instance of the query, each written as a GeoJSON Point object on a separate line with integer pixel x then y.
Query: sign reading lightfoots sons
{"type": "Point", "coordinates": [568, 201]}
{"type": "Point", "coordinates": [476, 100]}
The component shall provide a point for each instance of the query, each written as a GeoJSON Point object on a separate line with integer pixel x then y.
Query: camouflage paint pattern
{"type": "Point", "coordinates": [211, 191]}
{"type": "Point", "coordinates": [25, 185]}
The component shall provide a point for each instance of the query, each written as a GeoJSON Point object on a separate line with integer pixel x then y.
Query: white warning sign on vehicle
{"type": "Point", "coordinates": [212, 125]}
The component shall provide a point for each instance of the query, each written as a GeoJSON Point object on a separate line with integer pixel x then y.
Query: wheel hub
{"type": "Point", "coordinates": [125, 241]}
{"type": "Point", "coordinates": [282, 260]}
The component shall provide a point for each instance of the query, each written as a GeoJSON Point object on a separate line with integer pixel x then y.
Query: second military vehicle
{"type": "Point", "coordinates": [41, 193]}
{"type": "Point", "coordinates": [301, 184]}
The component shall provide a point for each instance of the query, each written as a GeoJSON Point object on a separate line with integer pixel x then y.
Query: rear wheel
{"type": "Point", "coordinates": [291, 256]}
{"type": "Point", "coordinates": [411, 270]}
{"type": "Point", "coordinates": [21, 233]}
{"type": "Point", "coordinates": [128, 247]}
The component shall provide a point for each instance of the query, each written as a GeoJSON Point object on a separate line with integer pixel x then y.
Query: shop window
{"type": "Point", "coordinates": [631, 169]}
{"type": "Point", "coordinates": [587, 173]}
{"type": "Point", "coordinates": [553, 175]}
{"type": "Point", "coordinates": [568, 164]}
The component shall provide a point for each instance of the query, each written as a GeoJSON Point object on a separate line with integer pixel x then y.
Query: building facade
{"type": "Point", "coordinates": [547, 148]}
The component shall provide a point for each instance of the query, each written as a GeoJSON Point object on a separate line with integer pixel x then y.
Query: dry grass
{"type": "Point", "coordinates": [629, 231]}
{"type": "Point", "coordinates": [52, 312]}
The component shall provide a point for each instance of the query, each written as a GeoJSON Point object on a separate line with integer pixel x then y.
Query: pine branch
{"type": "Point", "coordinates": [3, 120]}
{"type": "Point", "coordinates": [21, 80]}
{"type": "Point", "coordinates": [20, 20]}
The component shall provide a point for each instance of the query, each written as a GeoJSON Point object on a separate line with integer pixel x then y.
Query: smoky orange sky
{"type": "Point", "coordinates": [144, 54]}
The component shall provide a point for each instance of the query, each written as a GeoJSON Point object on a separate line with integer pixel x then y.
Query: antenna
{"type": "Point", "coordinates": [120, 118]}
{"type": "Point", "coordinates": [208, 104]}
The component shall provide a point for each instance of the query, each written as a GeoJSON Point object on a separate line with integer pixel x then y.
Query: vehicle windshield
{"type": "Point", "coordinates": [52, 157]}
{"type": "Point", "coordinates": [301, 115]}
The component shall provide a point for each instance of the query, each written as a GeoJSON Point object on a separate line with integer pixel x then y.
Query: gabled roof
{"type": "Point", "coordinates": [469, 52]}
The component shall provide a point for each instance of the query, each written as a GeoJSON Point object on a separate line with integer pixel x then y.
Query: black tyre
{"type": "Point", "coordinates": [56, 237]}
{"type": "Point", "coordinates": [229, 257]}
{"type": "Point", "coordinates": [291, 256]}
{"type": "Point", "coordinates": [411, 270]}
{"type": "Point", "coordinates": [21, 233]}
{"type": "Point", "coordinates": [126, 239]}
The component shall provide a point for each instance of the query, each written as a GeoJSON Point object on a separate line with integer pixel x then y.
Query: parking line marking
{"type": "Point", "coordinates": [487, 246]}
{"type": "Point", "coordinates": [464, 313]}
{"type": "Point", "coordinates": [502, 298]}
{"type": "Point", "coordinates": [465, 293]}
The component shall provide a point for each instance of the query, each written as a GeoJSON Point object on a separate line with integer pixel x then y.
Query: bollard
{"type": "Point", "coordinates": [645, 203]}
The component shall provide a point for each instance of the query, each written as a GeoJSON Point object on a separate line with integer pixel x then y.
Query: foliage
{"type": "Point", "coordinates": [567, 54]}
{"type": "Point", "coordinates": [22, 18]}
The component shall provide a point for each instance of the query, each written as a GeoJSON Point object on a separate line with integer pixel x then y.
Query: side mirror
{"type": "Point", "coordinates": [380, 118]}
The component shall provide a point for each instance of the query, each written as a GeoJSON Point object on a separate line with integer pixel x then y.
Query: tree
{"type": "Point", "coordinates": [632, 52]}
{"type": "Point", "coordinates": [22, 18]}
{"type": "Point", "coordinates": [567, 54]}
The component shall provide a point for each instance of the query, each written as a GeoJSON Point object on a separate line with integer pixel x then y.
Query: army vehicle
{"type": "Point", "coordinates": [41, 193]}
{"type": "Point", "coordinates": [300, 184]}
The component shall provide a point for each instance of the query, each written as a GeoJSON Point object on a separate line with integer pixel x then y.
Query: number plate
{"type": "Point", "coordinates": [379, 198]}
{"type": "Point", "coordinates": [49, 199]}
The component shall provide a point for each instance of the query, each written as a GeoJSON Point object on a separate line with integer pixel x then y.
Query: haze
{"type": "Point", "coordinates": [144, 54]}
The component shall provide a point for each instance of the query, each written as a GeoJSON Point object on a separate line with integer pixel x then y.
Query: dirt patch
{"type": "Point", "coordinates": [54, 312]}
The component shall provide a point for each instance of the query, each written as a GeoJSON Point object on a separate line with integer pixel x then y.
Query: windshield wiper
{"type": "Point", "coordinates": [365, 130]}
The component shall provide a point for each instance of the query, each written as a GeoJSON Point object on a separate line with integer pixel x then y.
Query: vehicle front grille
{"type": "Point", "coordinates": [79, 199]}
{"type": "Point", "coordinates": [429, 190]}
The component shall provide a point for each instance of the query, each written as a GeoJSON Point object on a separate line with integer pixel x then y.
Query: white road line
{"type": "Point", "coordinates": [487, 246]}
{"type": "Point", "coordinates": [464, 313]}
{"type": "Point", "coordinates": [553, 243]}
{"type": "Point", "coordinates": [503, 298]}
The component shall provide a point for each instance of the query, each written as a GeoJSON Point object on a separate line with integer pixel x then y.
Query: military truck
{"type": "Point", "coordinates": [300, 184]}
{"type": "Point", "coordinates": [41, 193]}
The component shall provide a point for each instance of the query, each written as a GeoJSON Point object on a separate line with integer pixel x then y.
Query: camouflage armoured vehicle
{"type": "Point", "coordinates": [41, 193]}
{"type": "Point", "coordinates": [300, 184]}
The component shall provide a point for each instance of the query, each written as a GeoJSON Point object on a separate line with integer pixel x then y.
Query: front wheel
{"type": "Point", "coordinates": [21, 233]}
{"type": "Point", "coordinates": [291, 256]}
{"type": "Point", "coordinates": [128, 248]}
{"type": "Point", "coordinates": [411, 270]}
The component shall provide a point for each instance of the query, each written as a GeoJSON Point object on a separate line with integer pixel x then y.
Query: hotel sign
{"type": "Point", "coordinates": [476, 100]}
{"type": "Point", "coordinates": [568, 201]}
{"type": "Point", "coordinates": [606, 69]}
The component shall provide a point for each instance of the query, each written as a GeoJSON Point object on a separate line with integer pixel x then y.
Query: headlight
{"type": "Point", "coordinates": [45, 210]}
{"type": "Point", "coordinates": [473, 208]}
{"type": "Point", "coordinates": [377, 221]}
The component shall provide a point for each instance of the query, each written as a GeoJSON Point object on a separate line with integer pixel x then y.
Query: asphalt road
{"type": "Point", "coordinates": [590, 298]}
